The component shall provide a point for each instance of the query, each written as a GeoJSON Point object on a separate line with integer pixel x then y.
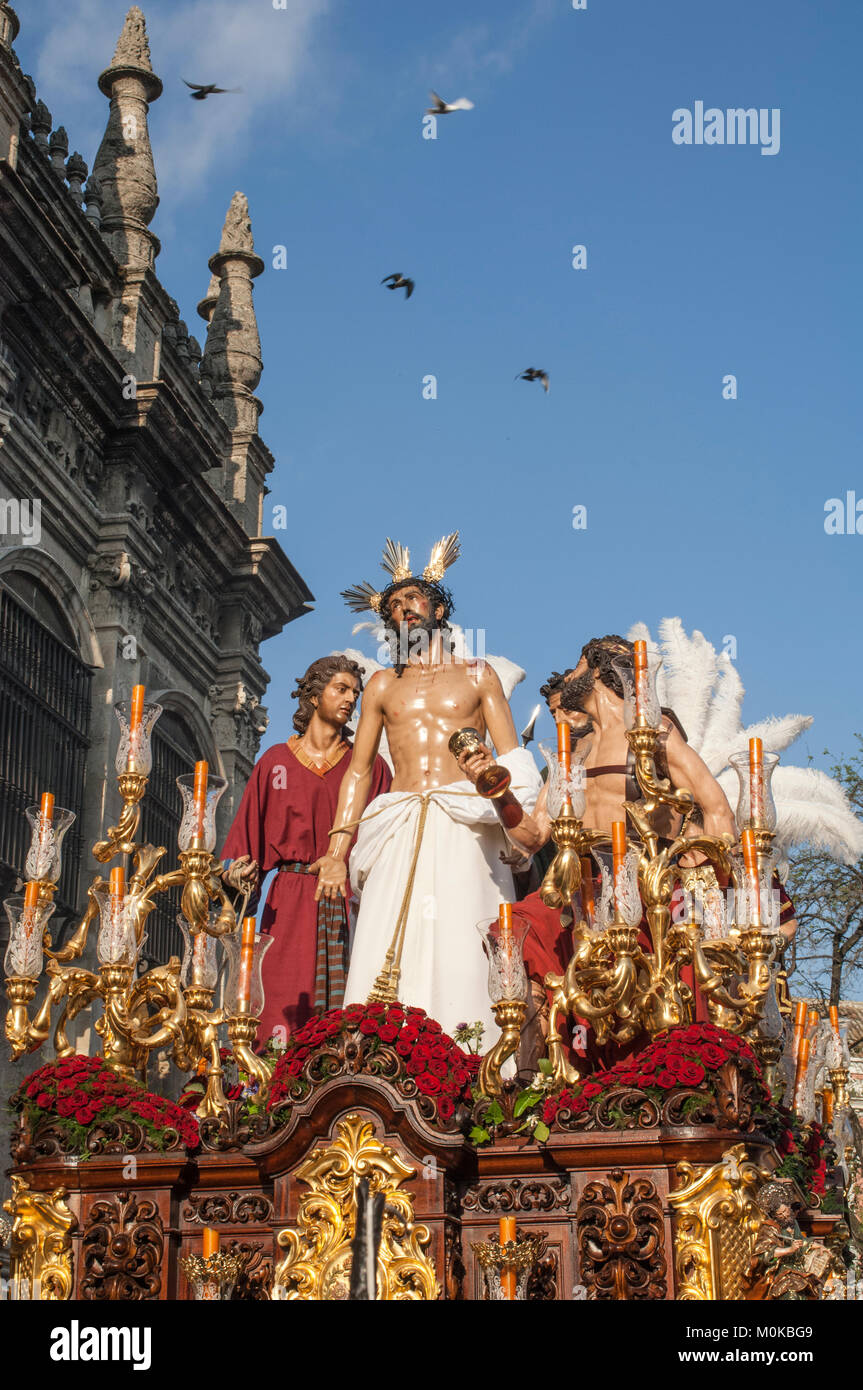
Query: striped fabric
{"type": "Point", "coordinates": [331, 961]}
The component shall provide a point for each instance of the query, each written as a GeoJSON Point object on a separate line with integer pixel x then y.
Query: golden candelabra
{"type": "Point", "coordinates": [156, 1009]}
{"type": "Point", "coordinates": [624, 986]}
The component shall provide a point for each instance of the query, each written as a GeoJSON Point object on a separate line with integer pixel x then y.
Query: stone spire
{"type": "Point", "coordinates": [210, 300]}
{"type": "Point", "coordinates": [232, 357]}
{"type": "Point", "coordinates": [124, 164]}
{"type": "Point", "coordinates": [9, 25]}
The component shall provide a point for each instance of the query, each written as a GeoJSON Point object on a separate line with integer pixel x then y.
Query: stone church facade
{"type": "Point", "coordinates": [132, 481]}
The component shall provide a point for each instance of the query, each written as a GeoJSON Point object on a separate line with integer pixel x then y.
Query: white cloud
{"type": "Point", "coordinates": [483, 50]}
{"type": "Point", "coordinates": [266, 52]}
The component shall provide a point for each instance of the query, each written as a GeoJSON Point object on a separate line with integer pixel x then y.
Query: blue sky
{"type": "Point", "coordinates": [702, 261]}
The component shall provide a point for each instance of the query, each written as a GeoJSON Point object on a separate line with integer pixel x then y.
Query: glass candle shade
{"type": "Point", "coordinates": [619, 899]}
{"type": "Point", "coordinates": [756, 900]}
{"type": "Point", "coordinates": [507, 977]}
{"type": "Point", "coordinates": [135, 753]}
{"type": "Point", "coordinates": [644, 701]}
{"type": "Point", "coordinates": [235, 990]}
{"type": "Point", "coordinates": [189, 837]}
{"type": "Point", "coordinates": [561, 787]}
{"type": "Point", "coordinates": [43, 857]}
{"type": "Point", "coordinates": [200, 968]}
{"type": "Point", "coordinates": [750, 782]}
{"type": "Point", "coordinates": [26, 924]}
{"type": "Point", "coordinates": [116, 943]}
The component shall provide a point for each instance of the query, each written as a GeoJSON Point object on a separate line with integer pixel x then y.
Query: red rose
{"type": "Point", "coordinates": [649, 1065]}
{"type": "Point", "coordinates": [395, 1014]}
{"type": "Point", "coordinates": [432, 1026]}
{"type": "Point", "coordinates": [438, 1068]}
{"type": "Point", "coordinates": [549, 1110]}
{"type": "Point", "coordinates": [461, 1076]}
{"type": "Point", "coordinates": [294, 1067]}
{"type": "Point", "coordinates": [591, 1089]}
{"type": "Point", "coordinates": [445, 1108]}
{"type": "Point", "coordinates": [447, 1041]}
{"type": "Point", "coordinates": [415, 1067]}
{"type": "Point", "coordinates": [85, 1115]}
{"type": "Point", "coordinates": [43, 1100]}
{"type": "Point", "coordinates": [428, 1085]}
{"type": "Point", "coordinates": [404, 1049]}
{"type": "Point", "coordinates": [368, 1027]}
{"type": "Point", "coordinates": [577, 1106]}
{"type": "Point", "coordinates": [667, 1080]}
{"type": "Point", "coordinates": [421, 1053]}
{"type": "Point", "coordinates": [65, 1108]}
{"type": "Point", "coordinates": [388, 1032]}
{"type": "Point", "coordinates": [375, 1009]}
{"type": "Point", "coordinates": [691, 1074]}
{"type": "Point", "coordinates": [712, 1056]}
{"type": "Point", "coordinates": [409, 1034]}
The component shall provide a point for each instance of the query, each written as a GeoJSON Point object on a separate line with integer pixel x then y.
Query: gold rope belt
{"type": "Point", "coordinates": [385, 988]}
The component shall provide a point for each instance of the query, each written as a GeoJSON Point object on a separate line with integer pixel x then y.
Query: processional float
{"type": "Point", "coordinates": [342, 1106]}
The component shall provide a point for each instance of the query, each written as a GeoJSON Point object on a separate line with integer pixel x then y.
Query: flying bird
{"type": "Point", "coordinates": [443, 108]}
{"type": "Point", "coordinates": [397, 281]}
{"type": "Point", "coordinates": [534, 374]}
{"type": "Point", "coordinates": [200, 91]}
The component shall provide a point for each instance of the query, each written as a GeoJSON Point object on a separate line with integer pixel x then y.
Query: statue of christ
{"type": "Point", "coordinates": [429, 858]}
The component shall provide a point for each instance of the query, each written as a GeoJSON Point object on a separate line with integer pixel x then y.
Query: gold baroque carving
{"type": "Point", "coordinates": [41, 1245]}
{"type": "Point", "coordinates": [317, 1262]}
{"type": "Point", "coordinates": [716, 1220]}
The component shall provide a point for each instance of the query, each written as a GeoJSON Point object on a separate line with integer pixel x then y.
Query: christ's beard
{"type": "Point", "coordinates": [414, 639]}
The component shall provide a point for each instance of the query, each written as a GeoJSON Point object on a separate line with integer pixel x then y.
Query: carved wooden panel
{"type": "Point", "coordinates": [121, 1248]}
{"type": "Point", "coordinates": [621, 1238]}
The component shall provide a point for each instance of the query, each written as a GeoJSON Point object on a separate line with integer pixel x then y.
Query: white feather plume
{"type": "Point", "coordinates": [724, 723]}
{"type": "Point", "coordinates": [706, 693]}
{"type": "Point", "coordinates": [691, 668]}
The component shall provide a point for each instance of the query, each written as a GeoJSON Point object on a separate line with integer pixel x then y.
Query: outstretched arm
{"type": "Point", "coordinates": [354, 791]}
{"type": "Point", "coordinates": [688, 770]}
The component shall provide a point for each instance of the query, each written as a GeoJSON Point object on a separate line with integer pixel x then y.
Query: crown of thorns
{"type": "Point", "coordinates": [396, 561]}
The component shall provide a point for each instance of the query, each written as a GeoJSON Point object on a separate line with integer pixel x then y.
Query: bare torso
{"type": "Point", "coordinates": [606, 793]}
{"type": "Point", "coordinates": [421, 709]}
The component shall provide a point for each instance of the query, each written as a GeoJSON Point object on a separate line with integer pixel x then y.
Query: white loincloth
{"type": "Point", "coordinates": [459, 883]}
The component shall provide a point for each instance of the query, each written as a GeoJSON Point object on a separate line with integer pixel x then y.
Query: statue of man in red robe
{"type": "Point", "coordinates": [283, 823]}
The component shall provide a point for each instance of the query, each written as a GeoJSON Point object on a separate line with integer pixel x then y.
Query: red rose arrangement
{"type": "Point", "coordinates": [806, 1151]}
{"type": "Point", "coordinates": [681, 1057]}
{"type": "Point", "coordinates": [79, 1092]}
{"type": "Point", "coordinates": [392, 1040]}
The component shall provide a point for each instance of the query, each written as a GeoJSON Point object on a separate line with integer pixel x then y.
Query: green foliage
{"type": "Point", "coordinates": [479, 1136]}
{"type": "Point", "coordinates": [525, 1101]}
{"type": "Point", "coordinates": [825, 959]}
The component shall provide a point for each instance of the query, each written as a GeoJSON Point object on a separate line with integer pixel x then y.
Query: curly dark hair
{"type": "Point", "coordinates": [600, 652]}
{"type": "Point", "coordinates": [319, 675]}
{"type": "Point", "coordinates": [435, 593]}
{"type": "Point", "coordinates": [556, 681]}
